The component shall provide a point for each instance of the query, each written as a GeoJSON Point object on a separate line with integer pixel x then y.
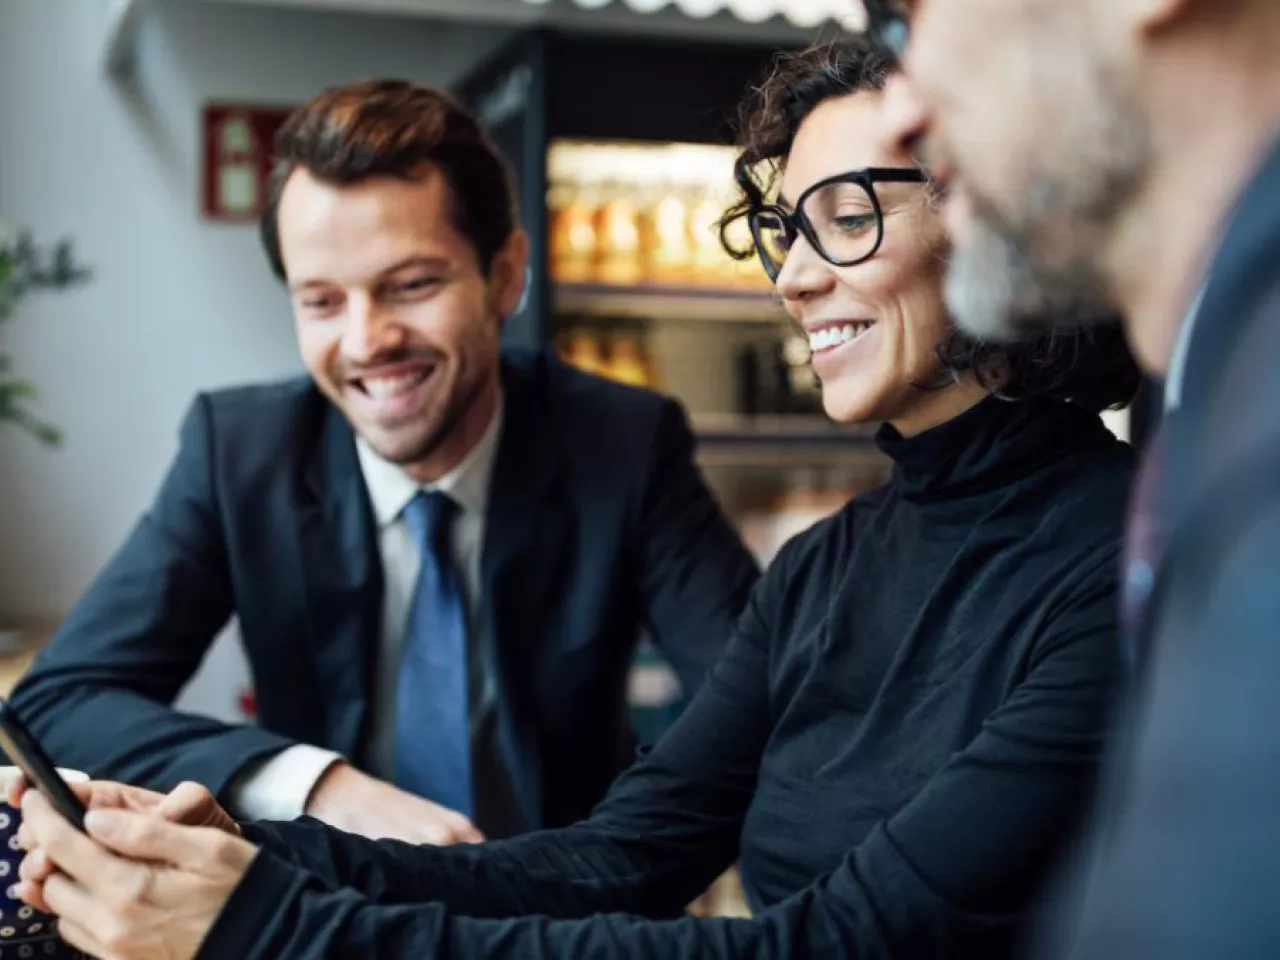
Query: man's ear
{"type": "Point", "coordinates": [508, 274]}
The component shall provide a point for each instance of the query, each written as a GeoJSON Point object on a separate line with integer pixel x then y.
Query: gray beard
{"type": "Point", "coordinates": [996, 290]}
{"type": "Point", "coordinates": [1039, 268]}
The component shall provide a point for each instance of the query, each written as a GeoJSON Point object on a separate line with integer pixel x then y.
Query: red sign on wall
{"type": "Point", "coordinates": [237, 149]}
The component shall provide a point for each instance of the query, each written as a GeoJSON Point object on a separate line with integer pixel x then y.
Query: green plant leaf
{"type": "Point", "coordinates": [26, 266]}
{"type": "Point", "coordinates": [44, 432]}
{"type": "Point", "coordinates": [48, 434]}
{"type": "Point", "coordinates": [19, 390]}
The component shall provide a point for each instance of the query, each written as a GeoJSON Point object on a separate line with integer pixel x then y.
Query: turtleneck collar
{"type": "Point", "coordinates": [992, 444]}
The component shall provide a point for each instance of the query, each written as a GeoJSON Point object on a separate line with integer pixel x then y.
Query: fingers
{"type": "Point", "coordinates": [36, 867]}
{"type": "Point", "coordinates": [19, 786]}
{"type": "Point", "coordinates": [144, 837]}
{"type": "Point", "coordinates": [81, 939]}
{"type": "Point", "coordinates": [193, 805]}
{"type": "Point", "coordinates": [66, 847]}
{"type": "Point", "coordinates": [187, 803]}
{"type": "Point", "coordinates": [13, 795]}
{"type": "Point", "coordinates": [461, 829]}
{"type": "Point", "coordinates": [75, 906]}
{"type": "Point", "coordinates": [450, 828]}
{"type": "Point", "coordinates": [443, 827]}
{"type": "Point", "coordinates": [26, 836]}
{"type": "Point", "coordinates": [433, 835]}
{"type": "Point", "coordinates": [32, 894]}
{"type": "Point", "coordinates": [20, 789]}
{"type": "Point", "coordinates": [98, 793]}
{"type": "Point", "coordinates": [124, 797]}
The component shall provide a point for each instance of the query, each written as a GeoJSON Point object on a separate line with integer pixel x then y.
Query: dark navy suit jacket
{"type": "Point", "coordinates": [1190, 855]}
{"type": "Point", "coordinates": [599, 522]}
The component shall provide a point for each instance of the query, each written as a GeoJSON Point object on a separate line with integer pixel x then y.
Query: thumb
{"type": "Point", "coordinates": [138, 836]}
{"type": "Point", "coordinates": [188, 803]}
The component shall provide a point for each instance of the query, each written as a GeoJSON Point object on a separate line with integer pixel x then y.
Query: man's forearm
{"type": "Point", "coordinates": [117, 734]}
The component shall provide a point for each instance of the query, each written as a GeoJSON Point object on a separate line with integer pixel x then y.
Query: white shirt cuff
{"type": "Point", "coordinates": [279, 788]}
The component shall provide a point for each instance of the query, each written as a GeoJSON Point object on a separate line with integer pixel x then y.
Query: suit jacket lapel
{"type": "Point", "coordinates": [526, 535]}
{"type": "Point", "coordinates": [342, 581]}
{"type": "Point", "coordinates": [1241, 273]}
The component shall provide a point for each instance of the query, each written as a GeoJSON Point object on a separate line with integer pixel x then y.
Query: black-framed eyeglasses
{"type": "Point", "coordinates": [841, 217]}
{"type": "Point", "coordinates": [888, 25]}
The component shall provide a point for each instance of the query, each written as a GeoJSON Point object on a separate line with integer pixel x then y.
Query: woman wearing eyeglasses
{"type": "Point", "coordinates": [907, 725]}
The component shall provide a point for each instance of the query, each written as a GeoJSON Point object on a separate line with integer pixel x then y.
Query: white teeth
{"type": "Point", "coordinates": [382, 388]}
{"type": "Point", "coordinates": [829, 337]}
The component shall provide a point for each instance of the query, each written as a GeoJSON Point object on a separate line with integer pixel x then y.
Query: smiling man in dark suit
{"type": "Point", "coordinates": [439, 555]}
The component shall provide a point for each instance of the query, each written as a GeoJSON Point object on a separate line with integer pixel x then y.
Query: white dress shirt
{"type": "Point", "coordinates": [278, 788]}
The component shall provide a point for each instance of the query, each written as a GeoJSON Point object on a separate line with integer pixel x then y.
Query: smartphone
{"type": "Point", "coordinates": [25, 752]}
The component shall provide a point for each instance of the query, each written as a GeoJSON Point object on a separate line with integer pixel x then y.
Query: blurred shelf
{"type": "Point", "coordinates": [729, 440]}
{"type": "Point", "coordinates": [778, 428]}
{"type": "Point", "coordinates": [659, 302]}
{"type": "Point", "coordinates": [21, 641]}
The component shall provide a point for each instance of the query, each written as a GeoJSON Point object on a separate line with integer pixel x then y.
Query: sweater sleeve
{"type": "Point", "coordinates": [668, 827]}
{"type": "Point", "coordinates": [943, 876]}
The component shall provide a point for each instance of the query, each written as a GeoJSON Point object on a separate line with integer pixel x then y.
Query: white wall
{"type": "Point", "coordinates": [177, 304]}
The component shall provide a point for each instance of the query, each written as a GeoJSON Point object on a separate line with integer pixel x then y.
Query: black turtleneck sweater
{"type": "Point", "coordinates": [898, 741]}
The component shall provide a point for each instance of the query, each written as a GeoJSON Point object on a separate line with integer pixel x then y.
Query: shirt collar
{"type": "Point", "coordinates": [391, 489]}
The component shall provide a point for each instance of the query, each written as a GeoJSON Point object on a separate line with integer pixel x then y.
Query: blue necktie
{"type": "Point", "coordinates": [433, 738]}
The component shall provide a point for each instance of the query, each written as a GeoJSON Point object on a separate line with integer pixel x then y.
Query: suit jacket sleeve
{"type": "Point", "coordinates": [932, 880]}
{"type": "Point", "coordinates": [694, 572]}
{"type": "Point", "coordinates": [99, 695]}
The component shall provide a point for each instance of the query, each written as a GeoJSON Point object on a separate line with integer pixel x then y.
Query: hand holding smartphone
{"type": "Point", "coordinates": [25, 752]}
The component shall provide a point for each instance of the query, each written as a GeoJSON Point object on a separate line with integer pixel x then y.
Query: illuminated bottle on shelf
{"type": "Point", "coordinates": [572, 214]}
{"type": "Point", "coordinates": [626, 214]}
{"type": "Point", "coordinates": [628, 362]}
{"type": "Point", "coordinates": [618, 259]}
{"type": "Point", "coordinates": [582, 349]}
{"type": "Point", "coordinates": [669, 252]}
{"type": "Point", "coordinates": [747, 272]}
{"type": "Point", "coordinates": [713, 267]}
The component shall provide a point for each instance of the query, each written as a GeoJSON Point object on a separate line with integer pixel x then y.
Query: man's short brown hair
{"type": "Point", "coordinates": [393, 128]}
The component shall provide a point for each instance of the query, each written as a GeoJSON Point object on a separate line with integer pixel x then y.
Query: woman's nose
{"type": "Point", "coordinates": [804, 273]}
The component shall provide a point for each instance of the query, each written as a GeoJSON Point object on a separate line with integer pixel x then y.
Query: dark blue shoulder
{"type": "Point", "coordinates": [600, 419]}
{"type": "Point", "coordinates": [257, 404]}
{"type": "Point", "coordinates": [261, 428]}
{"type": "Point", "coordinates": [583, 395]}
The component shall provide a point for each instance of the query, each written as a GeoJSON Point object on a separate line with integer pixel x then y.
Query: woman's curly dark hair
{"type": "Point", "coordinates": [1089, 365]}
